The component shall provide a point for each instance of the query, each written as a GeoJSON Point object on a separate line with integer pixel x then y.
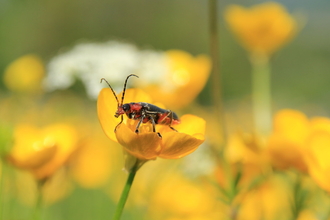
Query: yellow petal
{"type": "Point", "coordinates": [65, 138]}
{"type": "Point", "coordinates": [145, 146]}
{"type": "Point", "coordinates": [291, 124]}
{"type": "Point", "coordinates": [284, 153]}
{"type": "Point", "coordinates": [191, 125]}
{"type": "Point", "coordinates": [189, 136]}
{"type": "Point", "coordinates": [320, 124]}
{"type": "Point", "coordinates": [25, 74]}
{"type": "Point", "coordinates": [176, 145]}
{"type": "Point", "coordinates": [92, 164]}
{"type": "Point", "coordinates": [106, 108]}
{"type": "Point", "coordinates": [317, 158]}
{"type": "Point", "coordinates": [186, 77]}
{"type": "Point", "coordinates": [179, 196]}
{"type": "Point", "coordinates": [31, 149]}
{"type": "Point", "coordinates": [32, 161]}
{"type": "Point", "coordinates": [263, 28]}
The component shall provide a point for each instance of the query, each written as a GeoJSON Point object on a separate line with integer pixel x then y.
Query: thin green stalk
{"type": "Point", "coordinates": [37, 213]}
{"type": "Point", "coordinates": [124, 194]}
{"type": "Point", "coordinates": [261, 94]}
{"type": "Point", "coordinates": [215, 74]}
{"type": "Point", "coordinates": [2, 200]}
{"type": "Point", "coordinates": [300, 196]}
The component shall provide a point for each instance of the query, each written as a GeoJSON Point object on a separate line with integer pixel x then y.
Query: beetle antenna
{"type": "Point", "coordinates": [122, 97]}
{"type": "Point", "coordinates": [111, 89]}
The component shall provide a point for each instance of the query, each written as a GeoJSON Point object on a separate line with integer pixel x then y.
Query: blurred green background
{"type": "Point", "coordinates": [300, 70]}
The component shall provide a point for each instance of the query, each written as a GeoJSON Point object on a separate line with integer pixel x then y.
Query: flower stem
{"type": "Point", "coordinates": [261, 94]}
{"type": "Point", "coordinates": [215, 74]}
{"type": "Point", "coordinates": [37, 213]}
{"type": "Point", "coordinates": [2, 200]}
{"type": "Point", "coordinates": [124, 194]}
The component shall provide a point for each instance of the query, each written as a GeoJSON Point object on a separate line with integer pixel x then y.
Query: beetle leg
{"type": "Point", "coordinates": [171, 114]}
{"type": "Point", "coordinates": [121, 121]}
{"type": "Point", "coordinates": [154, 126]}
{"type": "Point", "coordinates": [138, 125]}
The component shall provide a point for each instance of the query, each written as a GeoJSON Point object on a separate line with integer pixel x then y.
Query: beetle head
{"type": "Point", "coordinates": [122, 110]}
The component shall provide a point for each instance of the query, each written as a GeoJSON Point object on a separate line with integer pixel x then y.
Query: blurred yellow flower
{"type": "Point", "coordinates": [42, 151]}
{"type": "Point", "coordinates": [286, 145]}
{"type": "Point", "coordinates": [57, 187]}
{"type": "Point", "coordinates": [179, 198]}
{"type": "Point", "coordinates": [244, 155]}
{"type": "Point", "coordinates": [318, 152]}
{"type": "Point", "coordinates": [91, 165]}
{"type": "Point", "coordinates": [25, 74]}
{"type": "Point", "coordinates": [301, 143]}
{"type": "Point", "coordinates": [147, 145]}
{"type": "Point", "coordinates": [185, 78]}
{"type": "Point", "coordinates": [262, 29]}
{"type": "Point", "coordinates": [269, 201]}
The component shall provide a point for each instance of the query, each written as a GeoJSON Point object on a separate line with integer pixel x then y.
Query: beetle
{"type": "Point", "coordinates": [142, 111]}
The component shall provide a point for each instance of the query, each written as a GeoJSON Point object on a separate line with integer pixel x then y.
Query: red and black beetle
{"type": "Point", "coordinates": [142, 111]}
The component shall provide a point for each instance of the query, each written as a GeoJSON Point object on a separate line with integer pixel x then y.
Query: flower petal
{"type": "Point", "coordinates": [292, 124]}
{"type": "Point", "coordinates": [106, 108]}
{"type": "Point", "coordinates": [317, 158]}
{"type": "Point", "coordinates": [65, 138]}
{"type": "Point", "coordinates": [144, 146]}
{"type": "Point", "coordinates": [263, 28]}
{"type": "Point", "coordinates": [191, 125]}
{"type": "Point", "coordinates": [176, 145]}
{"type": "Point", "coordinates": [31, 150]}
{"type": "Point", "coordinates": [33, 161]}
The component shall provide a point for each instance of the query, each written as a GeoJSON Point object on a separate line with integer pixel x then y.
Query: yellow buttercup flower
{"type": "Point", "coordinates": [286, 145]}
{"type": "Point", "coordinates": [185, 78]}
{"type": "Point", "coordinates": [25, 74]}
{"type": "Point", "coordinates": [244, 154]}
{"type": "Point", "coordinates": [262, 29]}
{"type": "Point", "coordinates": [55, 189]}
{"type": "Point", "coordinates": [147, 145]}
{"type": "Point", "coordinates": [176, 197]}
{"type": "Point", "coordinates": [318, 152]}
{"type": "Point", "coordinates": [92, 164]}
{"type": "Point", "coordinates": [42, 151]}
{"type": "Point", "coordinates": [271, 200]}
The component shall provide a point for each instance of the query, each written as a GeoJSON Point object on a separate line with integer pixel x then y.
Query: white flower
{"type": "Point", "coordinates": [112, 60]}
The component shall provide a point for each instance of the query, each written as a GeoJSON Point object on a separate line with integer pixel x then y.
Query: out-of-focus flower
{"type": "Point", "coordinates": [245, 156]}
{"type": "Point", "coordinates": [262, 29]}
{"type": "Point", "coordinates": [147, 145]}
{"type": "Point", "coordinates": [25, 74]}
{"type": "Point", "coordinates": [42, 151]}
{"type": "Point", "coordinates": [179, 198]}
{"type": "Point", "coordinates": [173, 77]}
{"type": "Point", "coordinates": [89, 63]}
{"type": "Point", "coordinates": [57, 187]}
{"type": "Point", "coordinates": [286, 145]}
{"type": "Point", "coordinates": [268, 201]}
{"type": "Point", "coordinates": [318, 152]}
{"type": "Point", "coordinates": [92, 164]}
{"type": "Point", "coordinates": [301, 143]}
{"type": "Point", "coordinates": [185, 78]}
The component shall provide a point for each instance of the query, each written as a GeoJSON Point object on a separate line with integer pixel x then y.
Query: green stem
{"type": "Point", "coordinates": [261, 94]}
{"type": "Point", "coordinates": [215, 74]}
{"type": "Point", "coordinates": [2, 200]}
{"type": "Point", "coordinates": [124, 194]}
{"type": "Point", "coordinates": [299, 196]}
{"type": "Point", "coordinates": [38, 205]}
